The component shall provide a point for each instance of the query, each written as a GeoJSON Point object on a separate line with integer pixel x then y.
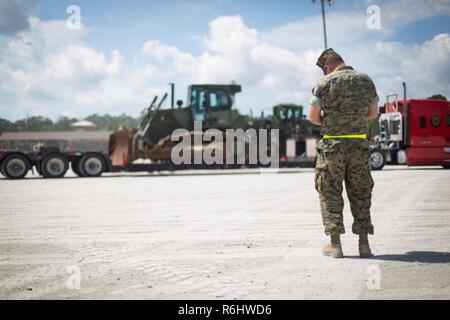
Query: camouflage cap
{"type": "Point", "coordinates": [323, 58]}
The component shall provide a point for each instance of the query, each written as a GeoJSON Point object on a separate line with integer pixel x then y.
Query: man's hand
{"type": "Point", "coordinates": [373, 111]}
{"type": "Point", "coordinates": [314, 115]}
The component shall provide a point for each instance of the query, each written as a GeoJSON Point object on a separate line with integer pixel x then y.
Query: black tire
{"type": "Point", "coordinates": [54, 165]}
{"type": "Point", "coordinates": [377, 160]}
{"type": "Point", "coordinates": [15, 167]}
{"type": "Point", "coordinates": [75, 167]}
{"type": "Point", "coordinates": [38, 168]}
{"type": "Point", "coordinates": [91, 165]}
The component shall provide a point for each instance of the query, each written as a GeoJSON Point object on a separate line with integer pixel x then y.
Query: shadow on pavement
{"type": "Point", "coordinates": [415, 256]}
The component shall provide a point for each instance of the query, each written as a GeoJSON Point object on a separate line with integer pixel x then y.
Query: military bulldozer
{"type": "Point", "coordinates": [212, 105]}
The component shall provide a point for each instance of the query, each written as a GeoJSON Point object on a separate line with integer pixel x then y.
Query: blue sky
{"type": "Point", "coordinates": [126, 25]}
{"type": "Point", "coordinates": [173, 21]}
{"type": "Point", "coordinates": [127, 51]}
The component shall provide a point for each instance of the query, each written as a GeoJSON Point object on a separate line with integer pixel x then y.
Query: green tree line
{"type": "Point", "coordinates": [109, 123]}
{"type": "Point", "coordinates": [38, 123]}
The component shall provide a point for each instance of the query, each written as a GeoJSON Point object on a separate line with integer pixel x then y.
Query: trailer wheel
{"type": "Point", "coordinates": [54, 165]}
{"type": "Point", "coordinates": [377, 160]}
{"type": "Point", "coordinates": [75, 167]}
{"type": "Point", "coordinates": [91, 165]}
{"type": "Point", "coordinates": [15, 167]}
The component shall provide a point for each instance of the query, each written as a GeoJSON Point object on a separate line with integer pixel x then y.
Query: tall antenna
{"type": "Point", "coordinates": [322, 6]}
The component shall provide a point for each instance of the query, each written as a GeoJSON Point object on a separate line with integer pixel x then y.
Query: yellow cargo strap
{"type": "Point", "coordinates": [346, 136]}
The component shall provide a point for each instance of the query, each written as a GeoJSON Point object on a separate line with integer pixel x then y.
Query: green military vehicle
{"type": "Point", "coordinates": [209, 109]}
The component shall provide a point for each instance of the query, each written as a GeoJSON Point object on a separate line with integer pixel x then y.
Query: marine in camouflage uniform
{"type": "Point", "coordinates": [344, 97]}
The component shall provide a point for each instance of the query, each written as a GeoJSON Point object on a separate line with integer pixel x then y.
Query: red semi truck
{"type": "Point", "coordinates": [415, 132]}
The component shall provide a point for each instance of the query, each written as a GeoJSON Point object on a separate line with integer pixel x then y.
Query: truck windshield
{"type": "Point", "coordinates": [198, 100]}
{"type": "Point", "coordinates": [288, 114]}
{"type": "Point", "coordinates": [202, 99]}
{"type": "Point", "coordinates": [218, 100]}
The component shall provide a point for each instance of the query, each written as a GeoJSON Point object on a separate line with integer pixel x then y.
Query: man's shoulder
{"type": "Point", "coordinates": [325, 79]}
{"type": "Point", "coordinates": [351, 77]}
{"type": "Point", "coordinates": [362, 75]}
{"type": "Point", "coordinates": [350, 72]}
{"type": "Point", "coordinates": [342, 75]}
{"type": "Point", "coordinates": [357, 74]}
{"type": "Point", "coordinates": [320, 83]}
{"type": "Point", "coordinates": [324, 83]}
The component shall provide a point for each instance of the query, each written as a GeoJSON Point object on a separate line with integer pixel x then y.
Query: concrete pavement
{"type": "Point", "coordinates": [232, 236]}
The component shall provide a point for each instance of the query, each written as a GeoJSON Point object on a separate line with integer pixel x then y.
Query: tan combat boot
{"type": "Point", "coordinates": [334, 248]}
{"type": "Point", "coordinates": [364, 248]}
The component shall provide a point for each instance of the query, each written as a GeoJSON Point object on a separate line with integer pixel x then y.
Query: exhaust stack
{"type": "Point", "coordinates": [404, 91]}
{"type": "Point", "coordinates": [172, 91]}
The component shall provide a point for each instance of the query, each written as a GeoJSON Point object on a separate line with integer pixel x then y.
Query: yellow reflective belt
{"type": "Point", "coordinates": [346, 136]}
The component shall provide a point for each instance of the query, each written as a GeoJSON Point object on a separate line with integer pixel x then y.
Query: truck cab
{"type": "Point", "coordinates": [213, 105]}
{"type": "Point", "coordinates": [427, 135]}
{"type": "Point", "coordinates": [415, 132]}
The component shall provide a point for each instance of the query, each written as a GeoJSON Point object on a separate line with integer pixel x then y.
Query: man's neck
{"type": "Point", "coordinates": [340, 66]}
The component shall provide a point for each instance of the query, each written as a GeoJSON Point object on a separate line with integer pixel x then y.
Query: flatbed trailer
{"type": "Point", "coordinates": [52, 153]}
{"type": "Point", "coordinates": [89, 154]}
{"type": "Point", "coordinates": [149, 148]}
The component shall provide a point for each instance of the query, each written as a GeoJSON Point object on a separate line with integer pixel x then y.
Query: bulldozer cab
{"type": "Point", "coordinates": [288, 112]}
{"type": "Point", "coordinates": [206, 99]}
{"type": "Point", "coordinates": [289, 117]}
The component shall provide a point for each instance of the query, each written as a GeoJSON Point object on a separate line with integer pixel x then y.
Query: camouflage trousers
{"type": "Point", "coordinates": [350, 164]}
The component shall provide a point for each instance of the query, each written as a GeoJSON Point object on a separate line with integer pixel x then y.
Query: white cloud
{"type": "Point", "coordinates": [229, 36]}
{"type": "Point", "coordinates": [405, 11]}
{"type": "Point", "coordinates": [180, 62]}
{"type": "Point", "coordinates": [48, 70]}
{"type": "Point", "coordinates": [48, 63]}
{"type": "Point", "coordinates": [343, 29]}
{"type": "Point", "coordinates": [235, 52]}
{"type": "Point", "coordinates": [76, 64]}
{"type": "Point", "coordinates": [274, 67]}
{"type": "Point", "coordinates": [424, 67]}
{"type": "Point", "coordinates": [14, 15]}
